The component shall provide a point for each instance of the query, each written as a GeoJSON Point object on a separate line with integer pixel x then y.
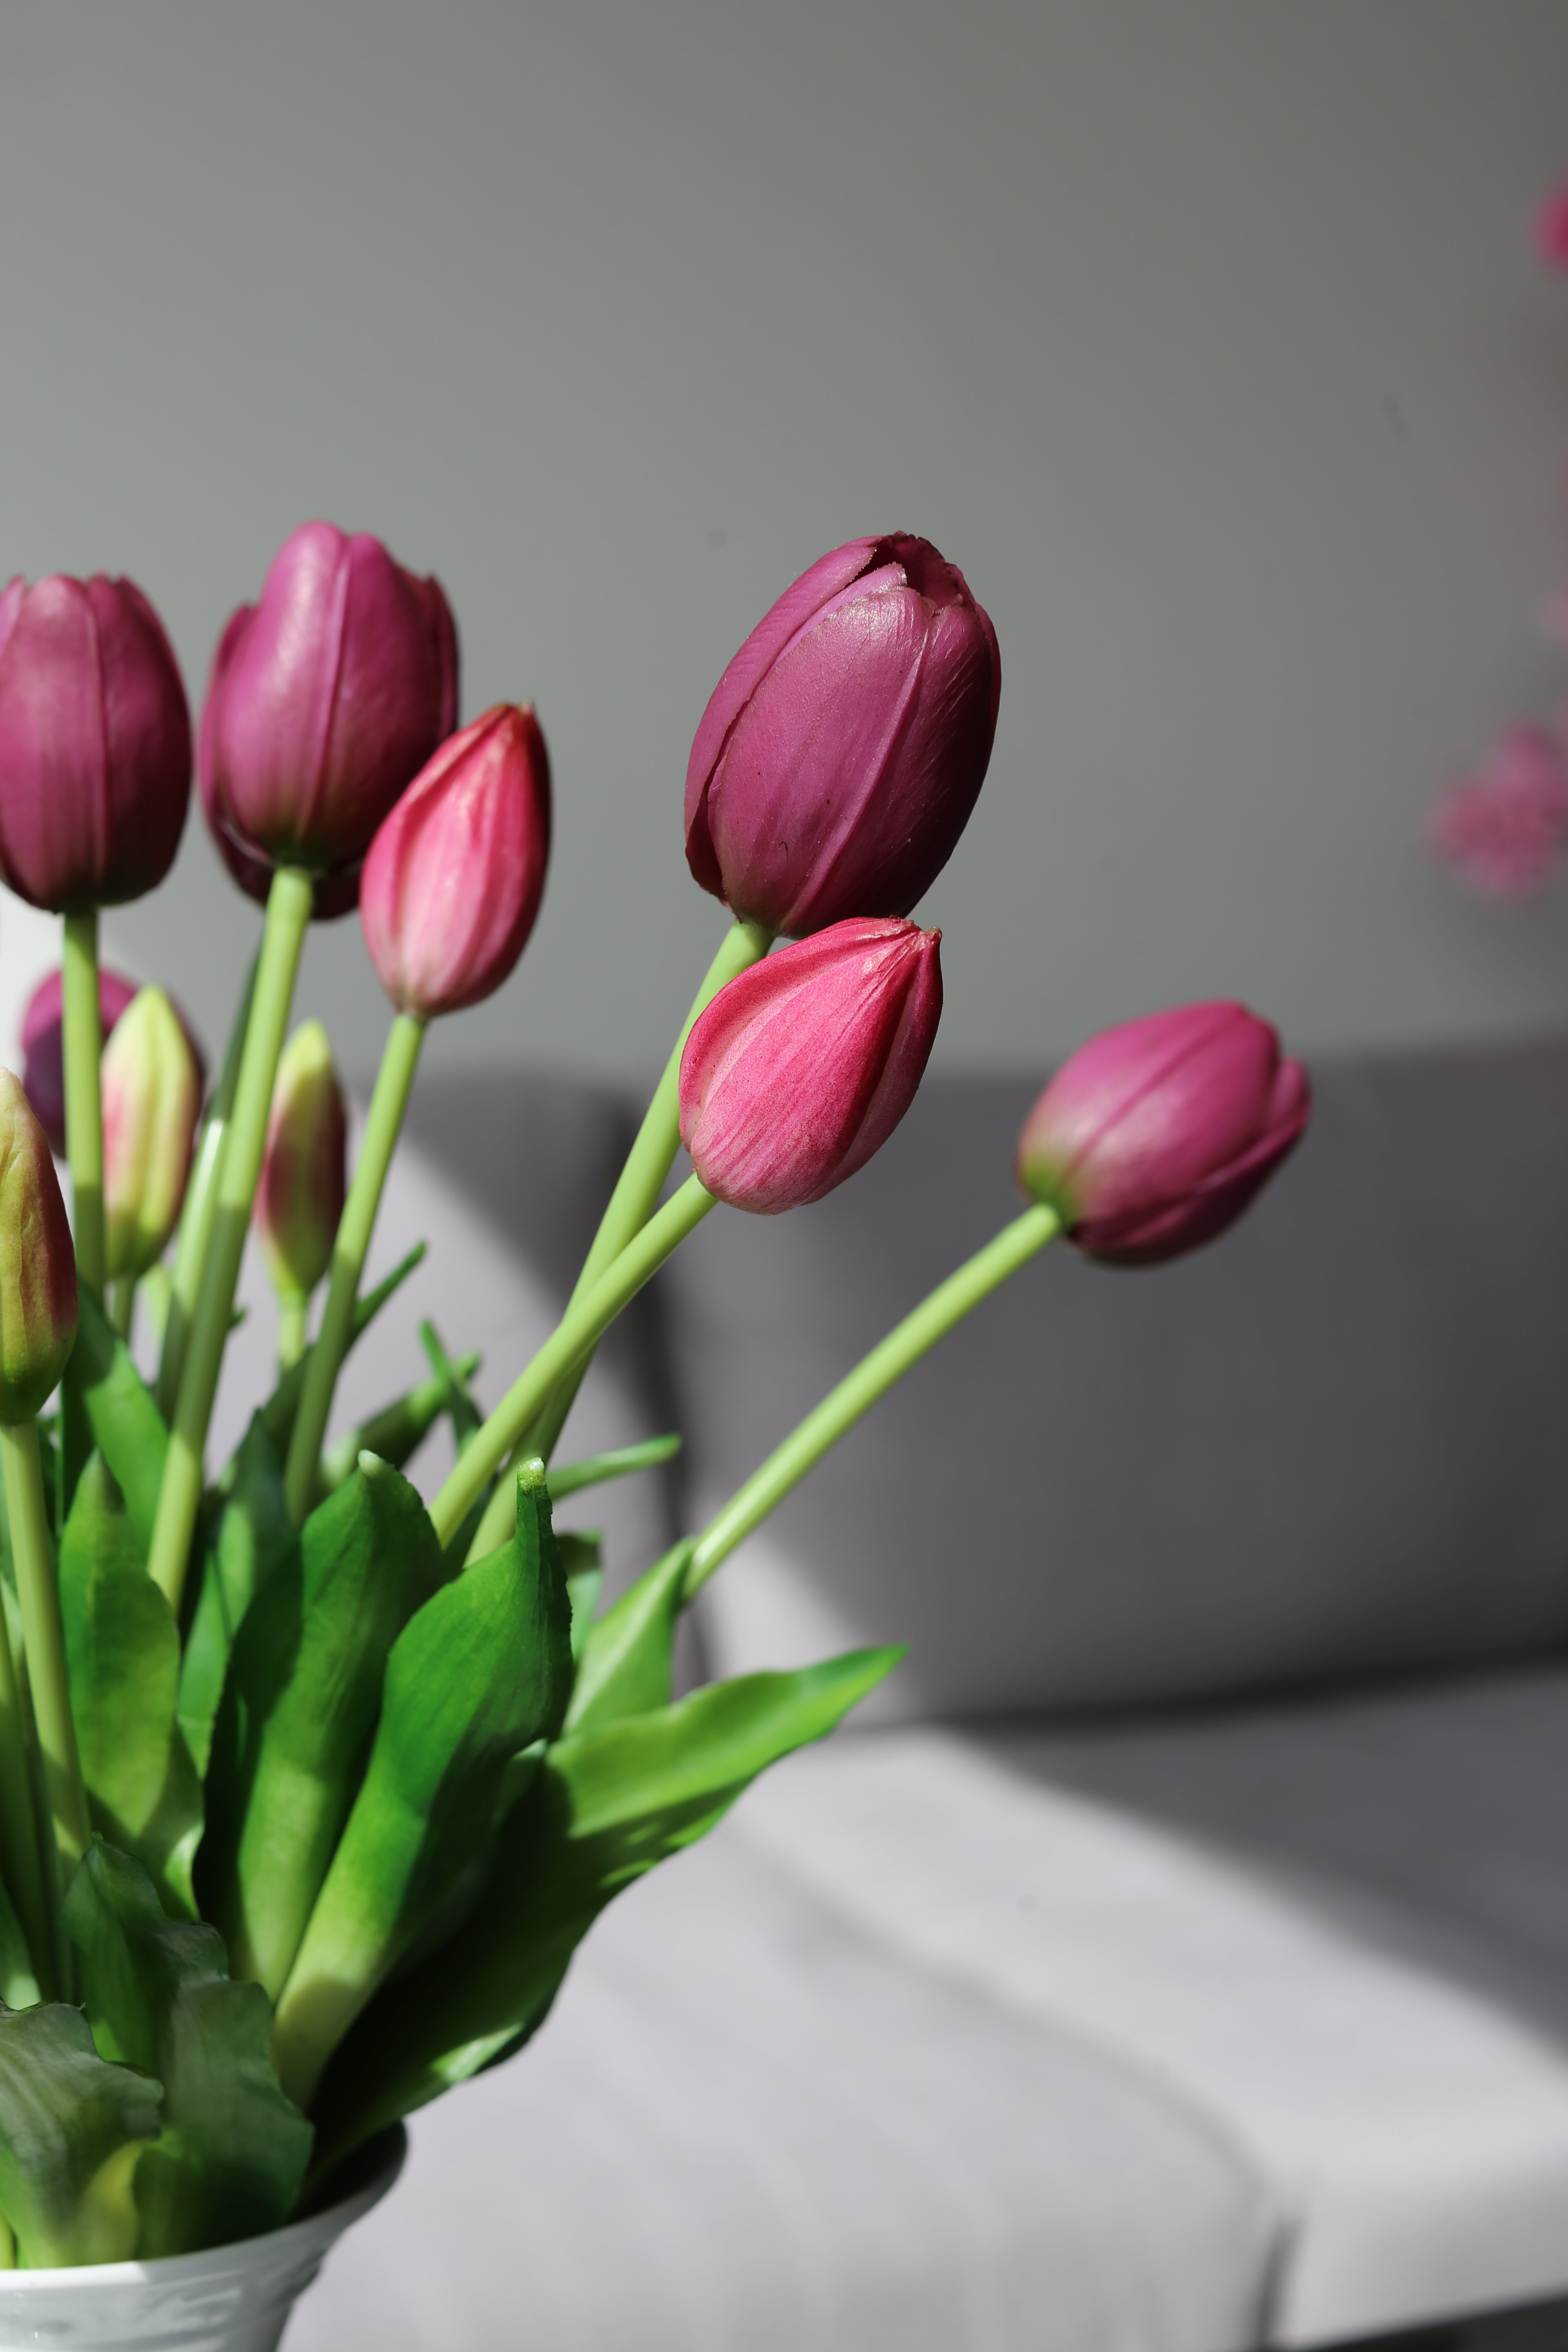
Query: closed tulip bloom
{"type": "Point", "coordinates": [301, 1196]}
{"type": "Point", "coordinates": [845, 746]}
{"type": "Point", "coordinates": [325, 699]}
{"type": "Point", "coordinates": [95, 743]}
{"type": "Point", "coordinates": [43, 1055]}
{"type": "Point", "coordinates": [801, 1069]}
{"type": "Point", "coordinates": [152, 1084]}
{"type": "Point", "coordinates": [452, 884]}
{"type": "Point", "coordinates": [37, 1264]}
{"type": "Point", "coordinates": [1155, 1136]}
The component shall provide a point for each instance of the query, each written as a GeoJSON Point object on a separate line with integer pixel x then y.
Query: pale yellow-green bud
{"type": "Point", "coordinates": [151, 1099]}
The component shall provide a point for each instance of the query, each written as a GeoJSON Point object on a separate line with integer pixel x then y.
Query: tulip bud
{"type": "Point", "coordinates": [95, 744]}
{"type": "Point", "coordinates": [801, 1069]}
{"type": "Point", "coordinates": [1155, 1136]}
{"type": "Point", "coordinates": [37, 1263]}
{"type": "Point", "coordinates": [301, 1196]}
{"type": "Point", "coordinates": [43, 1053]}
{"type": "Point", "coordinates": [846, 744]}
{"type": "Point", "coordinates": [453, 880]}
{"type": "Point", "coordinates": [325, 699]}
{"type": "Point", "coordinates": [152, 1084]}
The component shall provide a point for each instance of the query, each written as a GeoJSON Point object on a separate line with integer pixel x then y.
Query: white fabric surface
{"type": "Point", "coordinates": [749, 2128]}
{"type": "Point", "coordinates": [1414, 2135]}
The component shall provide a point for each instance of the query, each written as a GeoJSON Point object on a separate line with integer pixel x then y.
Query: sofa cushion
{"type": "Point", "coordinates": [1328, 1445]}
{"type": "Point", "coordinates": [746, 2123]}
{"type": "Point", "coordinates": [1339, 1928]}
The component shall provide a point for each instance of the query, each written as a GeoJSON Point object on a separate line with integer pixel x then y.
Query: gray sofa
{"type": "Point", "coordinates": [1175, 1960]}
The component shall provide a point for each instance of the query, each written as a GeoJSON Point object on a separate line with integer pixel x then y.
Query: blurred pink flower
{"type": "Point", "coordinates": [1504, 828]}
{"type": "Point", "coordinates": [1551, 228]}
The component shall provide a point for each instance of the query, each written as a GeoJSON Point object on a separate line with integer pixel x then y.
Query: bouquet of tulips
{"type": "Point", "coordinates": [310, 1786]}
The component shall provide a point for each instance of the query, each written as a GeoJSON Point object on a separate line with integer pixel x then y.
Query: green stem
{"type": "Point", "coordinates": [948, 1304]}
{"type": "Point", "coordinates": [45, 1644]}
{"type": "Point", "coordinates": [20, 1864]}
{"type": "Point", "coordinates": [393, 1082]}
{"type": "Point", "coordinates": [200, 1208]}
{"type": "Point", "coordinates": [81, 1034]}
{"type": "Point", "coordinates": [123, 1304]}
{"type": "Point", "coordinates": [179, 1497]}
{"type": "Point", "coordinates": [574, 1336]}
{"type": "Point", "coordinates": [630, 1205]}
{"type": "Point", "coordinates": [291, 1311]}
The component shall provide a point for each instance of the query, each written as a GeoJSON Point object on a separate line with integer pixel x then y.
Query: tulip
{"type": "Point", "coordinates": [802, 1067]}
{"type": "Point", "coordinates": [37, 1264]}
{"type": "Point", "coordinates": [43, 1056]}
{"type": "Point", "coordinates": [1504, 827]}
{"type": "Point", "coordinates": [301, 1196]}
{"type": "Point", "coordinates": [1551, 229]}
{"type": "Point", "coordinates": [151, 1099]}
{"type": "Point", "coordinates": [846, 744]}
{"type": "Point", "coordinates": [325, 699]}
{"type": "Point", "coordinates": [95, 744]}
{"type": "Point", "coordinates": [452, 884]}
{"type": "Point", "coordinates": [335, 892]}
{"type": "Point", "coordinates": [1155, 1136]}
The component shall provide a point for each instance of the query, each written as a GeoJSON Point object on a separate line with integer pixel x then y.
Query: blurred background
{"type": "Point", "coordinates": [1209, 341]}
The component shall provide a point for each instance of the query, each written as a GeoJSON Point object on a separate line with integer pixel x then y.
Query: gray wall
{"type": "Point", "coordinates": [1207, 338]}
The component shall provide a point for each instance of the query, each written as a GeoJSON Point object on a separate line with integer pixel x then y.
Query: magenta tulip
{"type": "Point", "coordinates": [1155, 1136]}
{"type": "Point", "coordinates": [95, 744]}
{"type": "Point", "coordinates": [846, 744]}
{"type": "Point", "coordinates": [37, 1263]}
{"type": "Point", "coordinates": [453, 880]}
{"type": "Point", "coordinates": [324, 701]}
{"type": "Point", "coordinates": [43, 1056]}
{"type": "Point", "coordinates": [800, 1069]}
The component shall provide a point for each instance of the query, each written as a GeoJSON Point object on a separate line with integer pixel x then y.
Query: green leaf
{"type": "Point", "coordinates": [304, 1692]}
{"type": "Point", "coordinates": [71, 2130]}
{"type": "Point", "coordinates": [463, 1414]}
{"type": "Point", "coordinates": [395, 1432]}
{"type": "Point", "coordinates": [283, 1403]}
{"type": "Point", "coordinates": [604, 1808]}
{"type": "Point", "coordinates": [483, 1671]}
{"type": "Point", "coordinates": [232, 2153]}
{"type": "Point", "coordinates": [581, 1564]}
{"type": "Point", "coordinates": [18, 1985]}
{"type": "Point", "coordinates": [593, 1469]}
{"type": "Point", "coordinates": [628, 1661]}
{"type": "Point", "coordinates": [127, 1426]}
{"type": "Point", "coordinates": [122, 1655]}
{"type": "Point", "coordinates": [251, 1539]}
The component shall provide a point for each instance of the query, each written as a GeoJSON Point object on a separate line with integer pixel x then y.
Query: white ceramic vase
{"type": "Point", "coordinates": [229, 2299]}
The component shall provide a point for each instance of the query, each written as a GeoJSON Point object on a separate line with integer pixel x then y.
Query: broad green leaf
{"type": "Point", "coordinates": [395, 1432]}
{"type": "Point", "coordinates": [593, 1469]}
{"type": "Point", "coordinates": [71, 2129]}
{"type": "Point", "coordinates": [283, 1403]}
{"type": "Point", "coordinates": [127, 1426]}
{"type": "Point", "coordinates": [251, 1537]}
{"type": "Point", "coordinates": [122, 1655]}
{"type": "Point", "coordinates": [604, 1809]}
{"type": "Point", "coordinates": [18, 1985]}
{"type": "Point", "coordinates": [627, 1664]}
{"type": "Point", "coordinates": [232, 2152]}
{"type": "Point", "coordinates": [306, 1689]}
{"type": "Point", "coordinates": [483, 1671]}
{"type": "Point", "coordinates": [581, 1564]}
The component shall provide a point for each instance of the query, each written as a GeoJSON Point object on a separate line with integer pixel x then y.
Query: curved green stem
{"type": "Point", "coordinates": [395, 1079]}
{"type": "Point", "coordinates": [630, 1206]}
{"type": "Point", "coordinates": [200, 1208]}
{"type": "Point", "coordinates": [289, 905]}
{"type": "Point", "coordinates": [575, 1336]}
{"type": "Point", "coordinates": [81, 1039]}
{"type": "Point", "coordinates": [948, 1304]}
{"type": "Point", "coordinates": [43, 1639]}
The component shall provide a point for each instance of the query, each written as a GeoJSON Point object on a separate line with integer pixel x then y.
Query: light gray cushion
{"type": "Point", "coordinates": [748, 2124]}
{"type": "Point", "coordinates": [1328, 1446]}
{"type": "Point", "coordinates": [1338, 1929]}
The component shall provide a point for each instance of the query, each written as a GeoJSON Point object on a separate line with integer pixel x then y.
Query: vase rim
{"type": "Point", "coordinates": [239, 2253]}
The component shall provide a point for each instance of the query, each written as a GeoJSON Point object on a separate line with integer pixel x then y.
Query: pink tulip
{"type": "Point", "coordinates": [324, 701]}
{"type": "Point", "coordinates": [95, 743]}
{"type": "Point", "coordinates": [37, 1263]}
{"type": "Point", "coordinates": [800, 1069]}
{"type": "Point", "coordinates": [1551, 229]}
{"type": "Point", "coordinates": [846, 744]}
{"type": "Point", "coordinates": [1505, 826]}
{"type": "Point", "coordinates": [42, 1054]}
{"type": "Point", "coordinates": [300, 1200]}
{"type": "Point", "coordinates": [453, 880]}
{"type": "Point", "coordinates": [1155, 1136]}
